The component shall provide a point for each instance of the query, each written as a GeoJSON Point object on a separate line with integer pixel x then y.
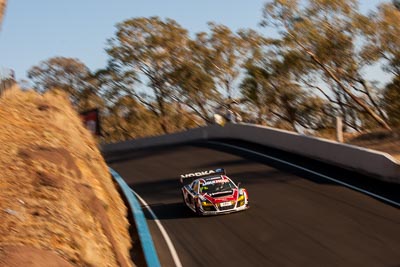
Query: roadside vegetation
{"type": "Point", "coordinates": [311, 63]}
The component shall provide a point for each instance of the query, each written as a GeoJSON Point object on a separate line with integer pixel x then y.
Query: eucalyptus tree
{"type": "Point", "coordinates": [114, 83]}
{"type": "Point", "coordinates": [126, 118]}
{"type": "Point", "coordinates": [193, 80]}
{"type": "Point", "coordinates": [89, 96]}
{"type": "Point", "coordinates": [391, 101]}
{"type": "Point", "coordinates": [270, 86]}
{"type": "Point", "coordinates": [214, 63]}
{"type": "Point", "coordinates": [253, 86]}
{"type": "Point", "coordinates": [386, 42]}
{"type": "Point", "coordinates": [257, 94]}
{"type": "Point", "coordinates": [325, 33]}
{"type": "Point", "coordinates": [226, 56]}
{"type": "Point", "coordinates": [67, 74]}
{"type": "Point", "coordinates": [195, 89]}
{"type": "Point", "coordinates": [152, 48]}
{"type": "Point", "coordinates": [383, 36]}
{"type": "Point", "coordinates": [383, 47]}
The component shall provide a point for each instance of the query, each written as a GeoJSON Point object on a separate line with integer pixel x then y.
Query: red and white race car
{"type": "Point", "coordinates": [212, 192]}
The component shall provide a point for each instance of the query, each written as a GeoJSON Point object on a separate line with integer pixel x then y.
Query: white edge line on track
{"type": "Point", "coordinates": [164, 233]}
{"type": "Point", "coordinates": [310, 171]}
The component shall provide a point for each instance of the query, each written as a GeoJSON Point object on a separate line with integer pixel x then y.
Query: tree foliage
{"type": "Point", "coordinates": [152, 48]}
{"type": "Point", "coordinates": [271, 87]}
{"type": "Point", "coordinates": [384, 38]}
{"type": "Point", "coordinates": [67, 74]}
{"type": "Point", "coordinates": [227, 54]}
{"type": "Point", "coordinates": [326, 33]}
{"type": "Point", "coordinates": [391, 101]}
{"type": "Point", "coordinates": [159, 79]}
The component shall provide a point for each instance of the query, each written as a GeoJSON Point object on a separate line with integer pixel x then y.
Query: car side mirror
{"type": "Point", "coordinates": [239, 183]}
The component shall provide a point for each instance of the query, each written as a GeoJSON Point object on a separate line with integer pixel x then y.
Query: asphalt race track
{"type": "Point", "coordinates": [295, 218]}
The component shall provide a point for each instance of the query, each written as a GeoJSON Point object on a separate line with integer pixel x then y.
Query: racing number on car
{"type": "Point", "coordinates": [225, 204]}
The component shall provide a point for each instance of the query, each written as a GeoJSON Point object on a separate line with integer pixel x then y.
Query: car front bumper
{"type": "Point", "coordinates": [205, 213]}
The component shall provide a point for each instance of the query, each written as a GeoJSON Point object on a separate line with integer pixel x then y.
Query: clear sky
{"type": "Point", "coordinates": [34, 31]}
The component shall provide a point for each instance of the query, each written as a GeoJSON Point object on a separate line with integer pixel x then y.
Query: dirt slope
{"type": "Point", "coordinates": [381, 140]}
{"type": "Point", "coordinates": [58, 204]}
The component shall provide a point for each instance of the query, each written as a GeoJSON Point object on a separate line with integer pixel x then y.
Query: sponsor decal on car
{"type": "Point", "coordinates": [196, 174]}
{"type": "Point", "coordinates": [216, 181]}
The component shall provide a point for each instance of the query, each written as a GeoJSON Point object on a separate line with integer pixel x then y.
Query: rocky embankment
{"type": "Point", "coordinates": [58, 203]}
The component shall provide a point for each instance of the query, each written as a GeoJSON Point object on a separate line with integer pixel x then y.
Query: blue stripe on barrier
{"type": "Point", "coordinates": [149, 250]}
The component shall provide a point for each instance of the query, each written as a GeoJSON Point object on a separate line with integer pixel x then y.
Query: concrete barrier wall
{"type": "Point", "coordinates": [366, 161]}
{"type": "Point", "coordinates": [182, 137]}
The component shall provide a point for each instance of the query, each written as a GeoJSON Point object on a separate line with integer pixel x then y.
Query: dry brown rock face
{"type": "Point", "coordinates": [58, 203]}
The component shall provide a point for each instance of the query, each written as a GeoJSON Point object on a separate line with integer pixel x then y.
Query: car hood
{"type": "Point", "coordinates": [215, 199]}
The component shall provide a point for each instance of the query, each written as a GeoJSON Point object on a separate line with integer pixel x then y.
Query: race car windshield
{"type": "Point", "coordinates": [213, 188]}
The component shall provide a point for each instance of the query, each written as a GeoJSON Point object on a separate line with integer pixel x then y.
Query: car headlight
{"type": "Point", "coordinates": [241, 198]}
{"type": "Point", "coordinates": [206, 203]}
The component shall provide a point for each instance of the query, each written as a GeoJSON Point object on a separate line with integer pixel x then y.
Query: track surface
{"type": "Point", "coordinates": [294, 219]}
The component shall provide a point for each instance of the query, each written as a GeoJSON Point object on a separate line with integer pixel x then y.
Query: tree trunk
{"type": "Point", "coordinates": [368, 93]}
{"type": "Point", "coordinates": [163, 114]}
{"type": "Point", "coordinates": [364, 106]}
{"type": "Point", "coordinates": [203, 114]}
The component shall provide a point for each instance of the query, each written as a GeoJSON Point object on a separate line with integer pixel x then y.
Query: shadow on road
{"type": "Point", "coordinates": [168, 211]}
